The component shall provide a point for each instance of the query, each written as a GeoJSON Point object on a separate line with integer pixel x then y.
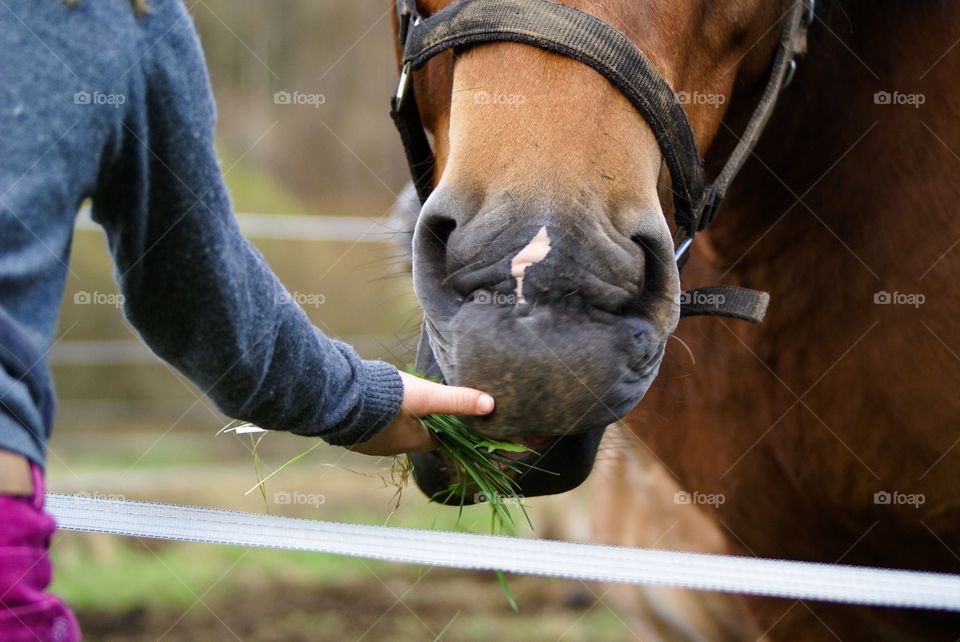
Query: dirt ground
{"type": "Point", "coordinates": [450, 606]}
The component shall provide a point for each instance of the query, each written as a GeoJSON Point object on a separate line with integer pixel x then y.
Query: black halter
{"type": "Point", "coordinates": [578, 35]}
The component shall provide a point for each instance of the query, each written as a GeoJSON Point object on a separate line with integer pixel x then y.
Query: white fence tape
{"type": "Point", "coordinates": [588, 562]}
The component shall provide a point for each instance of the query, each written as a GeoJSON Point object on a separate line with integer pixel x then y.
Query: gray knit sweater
{"type": "Point", "coordinates": [97, 102]}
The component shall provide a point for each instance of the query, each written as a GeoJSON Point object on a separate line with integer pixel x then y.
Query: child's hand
{"type": "Point", "coordinates": [406, 433]}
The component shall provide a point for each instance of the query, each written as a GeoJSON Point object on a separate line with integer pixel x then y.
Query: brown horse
{"type": "Point", "coordinates": [830, 431]}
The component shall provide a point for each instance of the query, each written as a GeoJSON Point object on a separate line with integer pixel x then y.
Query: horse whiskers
{"type": "Point", "coordinates": [395, 259]}
{"type": "Point", "coordinates": [684, 344]}
{"type": "Point", "coordinates": [469, 266]}
{"type": "Point", "coordinates": [392, 258]}
{"type": "Point", "coordinates": [403, 296]}
{"type": "Point", "coordinates": [618, 446]}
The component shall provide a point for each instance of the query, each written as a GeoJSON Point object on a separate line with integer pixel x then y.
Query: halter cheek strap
{"type": "Point", "coordinates": [575, 34]}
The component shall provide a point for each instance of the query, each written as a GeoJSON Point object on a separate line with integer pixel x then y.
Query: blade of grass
{"type": "Point", "coordinates": [258, 469]}
{"type": "Point", "coordinates": [446, 628]}
{"type": "Point", "coordinates": [502, 578]}
{"type": "Point", "coordinates": [295, 458]}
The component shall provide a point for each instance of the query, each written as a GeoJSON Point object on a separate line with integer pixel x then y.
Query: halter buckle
{"type": "Point", "coordinates": [409, 18]}
{"type": "Point", "coordinates": [402, 86]}
{"type": "Point", "coordinates": [682, 251]}
{"type": "Point", "coordinates": [708, 210]}
{"type": "Point", "coordinates": [789, 74]}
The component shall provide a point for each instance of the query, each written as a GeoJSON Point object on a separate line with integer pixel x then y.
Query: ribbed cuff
{"type": "Point", "coordinates": [379, 404]}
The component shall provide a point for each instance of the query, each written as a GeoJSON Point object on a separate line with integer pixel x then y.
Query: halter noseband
{"type": "Point", "coordinates": [567, 31]}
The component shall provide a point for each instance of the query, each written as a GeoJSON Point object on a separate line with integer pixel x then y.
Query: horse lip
{"type": "Point", "coordinates": [536, 443]}
{"type": "Point", "coordinates": [562, 464]}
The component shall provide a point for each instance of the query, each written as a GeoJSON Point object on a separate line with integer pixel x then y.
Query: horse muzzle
{"type": "Point", "coordinates": [558, 465]}
{"type": "Point", "coordinates": [562, 321]}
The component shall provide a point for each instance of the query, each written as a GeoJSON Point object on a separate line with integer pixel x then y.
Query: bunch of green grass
{"type": "Point", "coordinates": [483, 465]}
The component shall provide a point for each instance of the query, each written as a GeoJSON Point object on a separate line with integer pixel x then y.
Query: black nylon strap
{"type": "Point", "coordinates": [792, 42]}
{"type": "Point", "coordinates": [420, 158]}
{"type": "Point", "coordinates": [725, 301]}
{"type": "Point", "coordinates": [578, 35]}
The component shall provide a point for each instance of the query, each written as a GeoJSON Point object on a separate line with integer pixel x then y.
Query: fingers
{"type": "Point", "coordinates": [425, 439]}
{"type": "Point", "coordinates": [406, 434]}
{"type": "Point", "coordinates": [458, 401]}
{"type": "Point", "coordinates": [422, 397]}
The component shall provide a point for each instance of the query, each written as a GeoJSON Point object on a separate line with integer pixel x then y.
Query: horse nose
{"type": "Point", "coordinates": [512, 252]}
{"type": "Point", "coordinates": [544, 307]}
{"type": "Point", "coordinates": [543, 262]}
{"type": "Point", "coordinates": [508, 250]}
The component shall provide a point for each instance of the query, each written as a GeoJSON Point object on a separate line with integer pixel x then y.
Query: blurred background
{"type": "Point", "coordinates": [314, 165]}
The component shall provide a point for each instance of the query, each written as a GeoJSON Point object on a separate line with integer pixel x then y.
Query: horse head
{"type": "Point", "coordinates": [544, 256]}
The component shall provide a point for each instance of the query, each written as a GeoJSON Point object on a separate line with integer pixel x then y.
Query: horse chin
{"type": "Point", "coordinates": [553, 372]}
{"type": "Point", "coordinates": [559, 377]}
{"type": "Point", "coordinates": [559, 464]}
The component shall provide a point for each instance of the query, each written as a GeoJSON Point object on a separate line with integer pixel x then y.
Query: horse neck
{"type": "Point", "coordinates": [842, 187]}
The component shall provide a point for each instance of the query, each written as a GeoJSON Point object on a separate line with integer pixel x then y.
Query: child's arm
{"type": "Point", "coordinates": [200, 295]}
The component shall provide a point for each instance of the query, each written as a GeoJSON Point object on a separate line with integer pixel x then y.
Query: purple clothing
{"type": "Point", "coordinates": [27, 612]}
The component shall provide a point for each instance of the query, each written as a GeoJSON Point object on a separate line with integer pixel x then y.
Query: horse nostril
{"type": "Point", "coordinates": [436, 233]}
{"type": "Point", "coordinates": [430, 245]}
{"type": "Point", "coordinates": [647, 347]}
{"type": "Point", "coordinates": [659, 269]}
{"type": "Point", "coordinates": [430, 249]}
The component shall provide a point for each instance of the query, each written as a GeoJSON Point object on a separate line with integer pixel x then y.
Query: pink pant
{"type": "Point", "coordinates": [27, 612]}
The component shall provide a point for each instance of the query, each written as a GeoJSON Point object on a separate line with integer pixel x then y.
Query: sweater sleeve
{"type": "Point", "coordinates": [200, 295]}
